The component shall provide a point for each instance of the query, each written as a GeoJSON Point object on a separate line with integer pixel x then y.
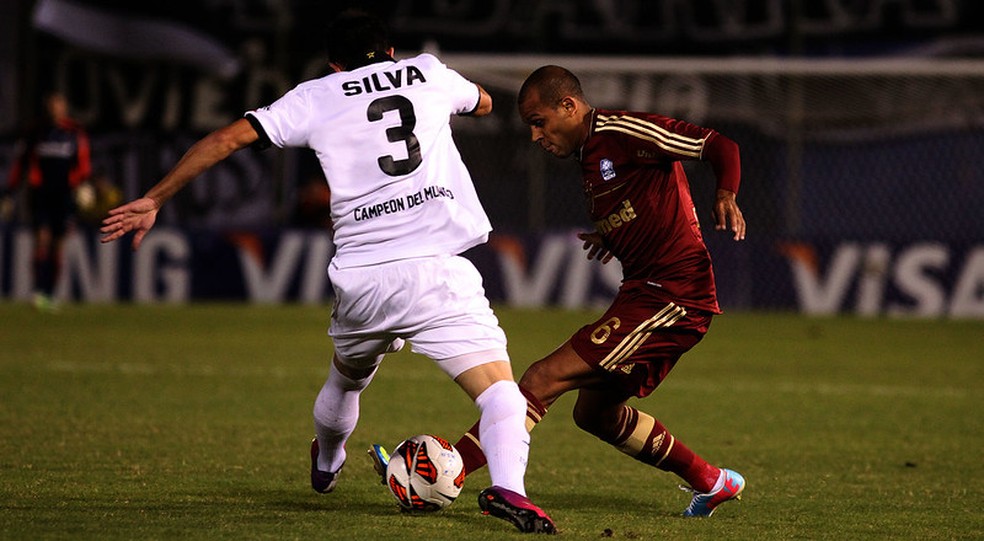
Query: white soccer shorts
{"type": "Point", "coordinates": [437, 304]}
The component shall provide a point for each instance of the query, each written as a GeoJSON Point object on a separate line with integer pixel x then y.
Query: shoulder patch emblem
{"type": "Point", "coordinates": [607, 169]}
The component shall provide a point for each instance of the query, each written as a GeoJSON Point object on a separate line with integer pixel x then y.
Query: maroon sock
{"type": "Point", "coordinates": [470, 447]}
{"type": "Point", "coordinates": [657, 447]}
{"type": "Point", "coordinates": [471, 452]}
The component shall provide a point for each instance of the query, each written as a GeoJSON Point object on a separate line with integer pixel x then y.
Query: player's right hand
{"type": "Point", "coordinates": [727, 213]}
{"type": "Point", "coordinates": [138, 215]}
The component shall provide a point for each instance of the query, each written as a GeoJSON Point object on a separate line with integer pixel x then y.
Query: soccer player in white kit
{"type": "Point", "coordinates": [403, 207]}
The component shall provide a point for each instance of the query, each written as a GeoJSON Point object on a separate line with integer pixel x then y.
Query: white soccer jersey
{"type": "Point", "coordinates": [382, 134]}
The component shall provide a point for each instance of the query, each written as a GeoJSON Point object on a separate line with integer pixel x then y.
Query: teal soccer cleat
{"type": "Point", "coordinates": [704, 503]}
{"type": "Point", "coordinates": [380, 459]}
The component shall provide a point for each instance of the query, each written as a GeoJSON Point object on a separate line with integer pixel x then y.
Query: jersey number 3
{"type": "Point", "coordinates": [396, 134]}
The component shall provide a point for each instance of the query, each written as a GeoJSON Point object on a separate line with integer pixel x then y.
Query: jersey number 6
{"type": "Point", "coordinates": [403, 132]}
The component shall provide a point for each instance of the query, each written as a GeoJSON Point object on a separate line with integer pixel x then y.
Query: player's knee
{"type": "Point", "coordinates": [501, 400]}
{"type": "Point", "coordinates": [354, 376]}
{"type": "Point", "coordinates": [586, 420]}
{"type": "Point", "coordinates": [547, 382]}
{"type": "Point", "coordinates": [539, 380]}
{"type": "Point", "coordinates": [594, 422]}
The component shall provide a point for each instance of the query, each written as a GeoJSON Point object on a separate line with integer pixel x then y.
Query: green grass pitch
{"type": "Point", "coordinates": [130, 422]}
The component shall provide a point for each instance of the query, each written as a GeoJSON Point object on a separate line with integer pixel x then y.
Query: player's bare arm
{"type": "Point", "coordinates": [141, 214]}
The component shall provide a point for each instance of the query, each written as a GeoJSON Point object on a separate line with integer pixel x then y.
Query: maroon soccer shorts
{"type": "Point", "coordinates": [640, 337]}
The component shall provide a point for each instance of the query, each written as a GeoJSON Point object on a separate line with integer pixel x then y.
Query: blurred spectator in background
{"type": "Point", "coordinates": [51, 162]}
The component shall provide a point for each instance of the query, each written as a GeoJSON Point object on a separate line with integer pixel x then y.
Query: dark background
{"type": "Point", "coordinates": [842, 143]}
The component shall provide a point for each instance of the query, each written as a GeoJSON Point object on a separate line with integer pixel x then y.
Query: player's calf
{"type": "Point", "coordinates": [471, 448]}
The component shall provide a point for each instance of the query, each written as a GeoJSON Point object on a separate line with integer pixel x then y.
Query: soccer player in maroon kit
{"type": "Point", "coordinates": [640, 203]}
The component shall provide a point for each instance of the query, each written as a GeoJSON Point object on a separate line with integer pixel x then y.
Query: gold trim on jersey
{"type": "Point", "coordinates": [606, 192]}
{"type": "Point", "coordinates": [666, 317]}
{"type": "Point", "coordinates": [647, 131]}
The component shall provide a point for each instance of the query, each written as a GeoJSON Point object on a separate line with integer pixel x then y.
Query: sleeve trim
{"type": "Point", "coordinates": [478, 101]}
{"type": "Point", "coordinates": [263, 142]}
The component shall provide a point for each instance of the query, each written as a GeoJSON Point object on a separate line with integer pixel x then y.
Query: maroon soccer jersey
{"type": "Point", "coordinates": [639, 200]}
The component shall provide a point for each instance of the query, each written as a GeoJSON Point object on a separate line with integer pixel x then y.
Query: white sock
{"type": "Point", "coordinates": [502, 431]}
{"type": "Point", "coordinates": [336, 412]}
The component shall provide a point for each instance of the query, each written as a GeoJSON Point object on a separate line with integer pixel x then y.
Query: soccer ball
{"type": "Point", "coordinates": [425, 473]}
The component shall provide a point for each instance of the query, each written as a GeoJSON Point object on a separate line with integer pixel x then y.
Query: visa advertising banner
{"type": "Point", "coordinates": [870, 278]}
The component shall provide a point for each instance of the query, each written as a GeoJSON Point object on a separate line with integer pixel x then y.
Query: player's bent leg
{"type": "Point", "coordinates": [470, 447]}
{"type": "Point", "coordinates": [501, 425]}
{"type": "Point", "coordinates": [561, 371]}
{"type": "Point", "coordinates": [477, 379]}
{"type": "Point", "coordinates": [604, 414]}
{"type": "Point", "coordinates": [502, 431]}
{"type": "Point", "coordinates": [541, 385]}
{"type": "Point", "coordinates": [599, 412]}
{"type": "Point", "coordinates": [336, 412]}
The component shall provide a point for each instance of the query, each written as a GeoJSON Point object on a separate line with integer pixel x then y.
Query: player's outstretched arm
{"type": "Point", "coordinates": [141, 214]}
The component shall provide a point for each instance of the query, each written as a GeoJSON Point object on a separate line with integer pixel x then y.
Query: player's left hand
{"type": "Point", "coordinates": [728, 215]}
{"type": "Point", "coordinates": [138, 215]}
{"type": "Point", "coordinates": [595, 245]}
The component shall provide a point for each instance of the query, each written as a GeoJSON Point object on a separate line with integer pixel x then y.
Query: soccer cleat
{"type": "Point", "coordinates": [516, 508]}
{"type": "Point", "coordinates": [45, 303]}
{"type": "Point", "coordinates": [380, 459]}
{"type": "Point", "coordinates": [704, 503]}
{"type": "Point", "coordinates": [321, 481]}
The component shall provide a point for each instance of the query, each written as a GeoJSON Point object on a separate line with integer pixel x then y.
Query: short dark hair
{"type": "Point", "coordinates": [552, 84]}
{"type": "Point", "coordinates": [357, 38]}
